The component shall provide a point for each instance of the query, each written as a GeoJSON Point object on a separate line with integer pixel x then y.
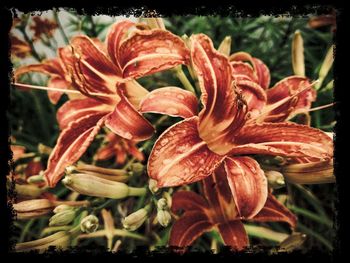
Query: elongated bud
{"type": "Point", "coordinates": [293, 242]}
{"type": "Point", "coordinates": [33, 208]}
{"type": "Point", "coordinates": [326, 66]}
{"type": "Point", "coordinates": [136, 219]}
{"type": "Point", "coordinates": [310, 173]}
{"type": "Point", "coordinates": [225, 46]}
{"type": "Point", "coordinates": [60, 240]}
{"type": "Point", "coordinates": [163, 217]}
{"type": "Point", "coordinates": [34, 179]}
{"type": "Point", "coordinates": [62, 208]}
{"type": "Point", "coordinates": [94, 186]}
{"type": "Point", "coordinates": [155, 22]}
{"type": "Point", "coordinates": [29, 191]}
{"type": "Point", "coordinates": [152, 185]}
{"type": "Point", "coordinates": [89, 224]}
{"type": "Point", "coordinates": [298, 54]}
{"type": "Point", "coordinates": [43, 149]}
{"type": "Point", "coordinates": [168, 198]}
{"type": "Point", "coordinates": [275, 179]}
{"type": "Point", "coordinates": [62, 218]}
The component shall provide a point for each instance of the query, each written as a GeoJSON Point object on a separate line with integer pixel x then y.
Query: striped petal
{"type": "Point", "coordinates": [188, 201]}
{"type": "Point", "coordinates": [56, 82]}
{"type": "Point", "coordinates": [150, 51]}
{"type": "Point", "coordinates": [127, 122]}
{"type": "Point", "coordinates": [223, 112]}
{"type": "Point", "coordinates": [248, 185]}
{"type": "Point", "coordinates": [274, 211]}
{"type": "Point", "coordinates": [284, 139]}
{"type": "Point", "coordinates": [242, 70]}
{"type": "Point", "coordinates": [75, 109]}
{"type": "Point", "coordinates": [71, 145]}
{"type": "Point", "coordinates": [172, 101]}
{"type": "Point", "coordinates": [188, 228]}
{"type": "Point", "coordinates": [180, 156]}
{"type": "Point", "coordinates": [115, 35]}
{"type": "Point", "coordinates": [286, 88]}
{"type": "Point", "coordinates": [234, 235]}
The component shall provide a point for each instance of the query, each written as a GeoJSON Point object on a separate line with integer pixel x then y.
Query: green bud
{"type": "Point", "coordinates": [62, 218]}
{"type": "Point", "coordinates": [163, 217]}
{"type": "Point", "coordinates": [136, 219]}
{"type": "Point", "coordinates": [162, 204]}
{"type": "Point", "coordinates": [152, 185]}
{"type": "Point", "coordinates": [137, 168]}
{"type": "Point", "coordinates": [62, 208]}
{"type": "Point", "coordinates": [89, 224]}
{"type": "Point", "coordinates": [225, 46]}
{"type": "Point", "coordinates": [275, 179]}
{"type": "Point", "coordinates": [293, 241]}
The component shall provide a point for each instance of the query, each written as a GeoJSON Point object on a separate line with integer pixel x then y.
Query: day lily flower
{"type": "Point", "coordinates": [219, 210]}
{"type": "Point", "coordinates": [43, 26]}
{"type": "Point", "coordinates": [107, 79]}
{"type": "Point", "coordinates": [116, 146]}
{"type": "Point", "coordinates": [19, 48]}
{"type": "Point", "coordinates": [192, 149]}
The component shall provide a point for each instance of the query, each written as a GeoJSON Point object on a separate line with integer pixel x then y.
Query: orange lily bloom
{"type": "Point", "coordinates": [220, 210]}
{"type": "Point", "coordinates": [192, 149]}
{"type": "Point", "coordinates": [110, 73]}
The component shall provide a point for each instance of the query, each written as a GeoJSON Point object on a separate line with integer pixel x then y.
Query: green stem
{"type": "Point", "coordinates": [262, 232]}
{"type": "Point", "coordinates": [308, 231]}
{"type": "Point", "coordinates": [136, 191]}
{"type": "Point", "coordinates": [124, 233]}
{"type": "Point", "coordinates": [26, 230]}
{"type": "Point", "coordinates": [184, 80]}
{"type": "Point", "coordinates": [66, 40]}
{"type": "Point", "coordinates": [312, 216]}
{"type": "Point", "coordinates": [105, 204]}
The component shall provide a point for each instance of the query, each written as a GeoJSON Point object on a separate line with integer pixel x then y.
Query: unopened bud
{"type": "Point", "coordinates": [60, 240]}
{"type": "Point", "coordinates": [43, 149]}
{"type": "Point", "coordinates": [136, 219]}
{"type": "Point", "coordinates": [155, 22]}
{"type": "Point", "coordinates": [162, 204]}
{"type": "Point", "coordinates": [326, 66]}
{"type": "Point", "coordinates": [293, 241]}
{"type": "Point", "coordinates": [275, 179]}
{"type": "Point", "coordinates": [34, 179]}
{"type": "Point", "coordinates": [89, 224]}
{"type": "Point", "coordinates": [310, 173]}
{"type": "Point", "coordinates": [298, 54]}
{"type": "Point", "coordinates": [163, 217]}
{"type": "Point", "coordinates": [70, 169]}
{"type": "Point", "coordinates": [27, 190]}
{"type": "Point", "coordinates": [137, 168]}
{"type": "Point", "coordinates": [225, 46]}
{"type": "Point", "coordinates": [152, 185]}
{"type": "Point", "coordinates": [62, 218]}
{"type": "Point", "coordinates": [62, 208]}
{"type": "Point", "coordinates": [95, 186]}
{"type": "Point", "coordinates": [33, 208]}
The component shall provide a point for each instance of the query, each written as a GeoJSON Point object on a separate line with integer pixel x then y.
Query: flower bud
{"type": "Point", "coordinates": [163, 217]}
{"type": "Point", "coordinates": [33, 208]}
{"type": "Point", "coordinates": [155, 22]}
{"type": "Point", "coordinates": [43, 149]}
{"type": "Point", "coordinates": [34, 179]}
{"type": "Point", "coordinates": [89, 224]}
{"type": "Point", "coordinates": [136, 219]}
{"type": "Point", "coordinates": [62, 208]}
{"type": "Point", "coordinates": [29, 191]}
{"type": "Point", "coordinates": [292, 242]}
{"type": "Point", "coordinates": [162, 204]}
{"type": "Point", "coordinates": [152, 185]}
{"type": "Point", "coordinates": [225, 46]}
{"type": "Point", "coordinates": [62, 218]}
{"type": "Point", "coordinates": [298, 54]}
{"type": "Point", "coordinates": [326, 66]}
{"type": "Point", "coordinates": [275, 179]}
{"type": "Point", "coordinates": [137, 168]}
{"type": "Point", "coordinates": [60, 240]}
{"type": "Point", "coordinates": [95, 186]}
{"type": "Point", "coordinates": [309, 173]}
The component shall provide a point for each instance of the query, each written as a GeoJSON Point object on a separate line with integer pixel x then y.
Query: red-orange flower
{"type": "Point", "coordinates": [111, 76]}
{"type": "Point", "coordinates": [220, 210]}
{"type": "Point", "coordinates": [192, 149]}
{"type": "Point", "coordinates": [19, 48]}
{"type": "Point", "coordinates": [43, 26]}
{"type": "Point", "coordinates": [116, 146]}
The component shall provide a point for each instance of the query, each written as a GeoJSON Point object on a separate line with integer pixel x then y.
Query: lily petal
{"type": "Point", "coordinates": [115, 35]}
{"type": "Point", "coordinates": [180, 156]}
{"type": "Point", "coordinates": [248, 185]}
{"type": "Point", "coordinates": [286, 88]}
{"type": "Point", "coordinates": [234, 234]}
{"type": "Point", "coordinates": [134, 92]}
{"type": "Point", "coordinates": [75, 109]}
{"type": "Point", "coordinates": [188, 228]}
{"type": "Point", "coordinates": [224, 112]}
{"type": "Point", "coordinates": [93, 70]}
{"type": "Point", "coordinates": [150, 51]}
{"type": "Point", "coordinates": [274, 211]}
{"type": "Point", "coordinates": [242, 70]}
{"type": "Point", "coordinates": [127, 122]}
{"type": "Point", "coordinates": [56, 82]}
{"type": "Point", "coordinates": [71, 145]}
{"type": "Point", "coordinates": [172, 101]}
{"type": "Point", "coordinates": [284, 139]}
{"type": "Point", "coordinates": [188, 201]}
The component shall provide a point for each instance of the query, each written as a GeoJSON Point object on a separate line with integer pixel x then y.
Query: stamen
{"type": "Point", "coordinates": [22, 85]}
{"type": "Point", "coordinates": [322, 107]}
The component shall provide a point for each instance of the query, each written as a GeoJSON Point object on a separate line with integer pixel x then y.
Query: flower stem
{"type": "Point", "coordinates": [135, 191]}
{"type": "Point", "coordinates": [312, 216]}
